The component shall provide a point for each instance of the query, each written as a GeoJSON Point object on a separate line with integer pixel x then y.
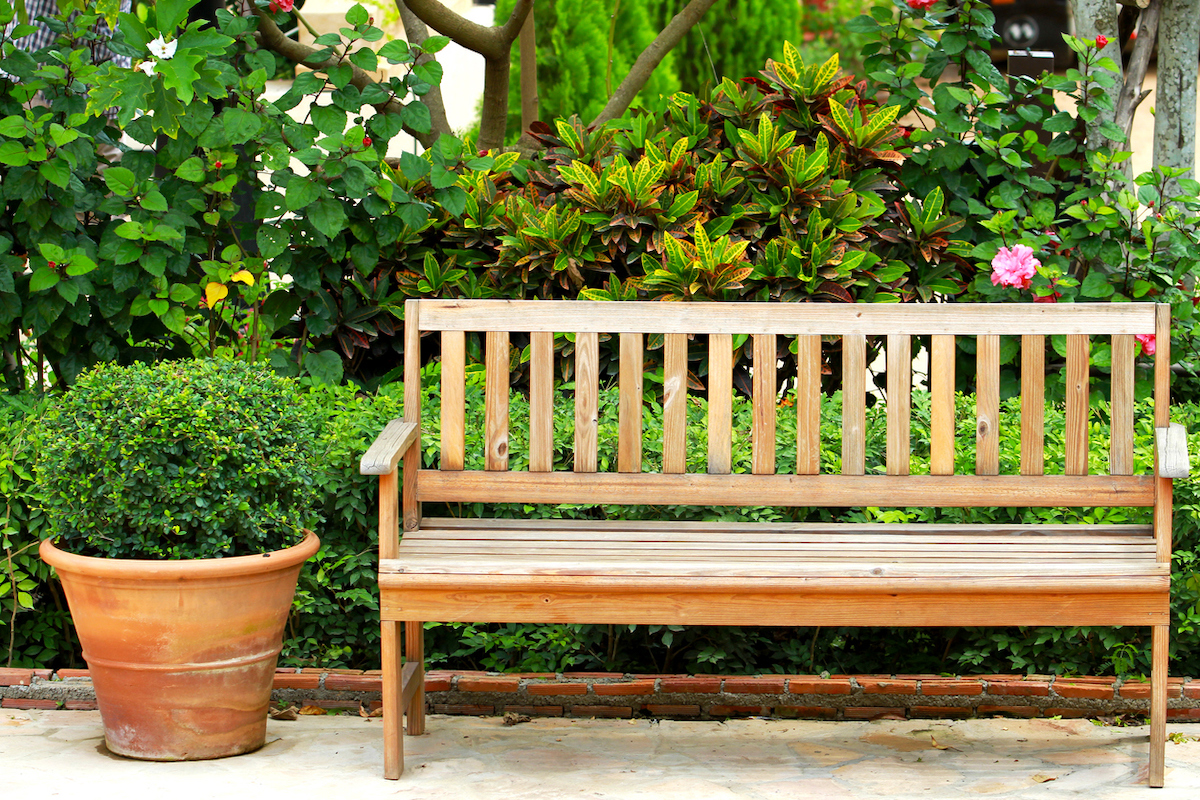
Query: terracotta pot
{"type": "Point", "coordinates": [182, 653]}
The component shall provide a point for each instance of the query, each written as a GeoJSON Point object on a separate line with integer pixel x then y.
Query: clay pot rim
{"type": "Point", "coordinates": [102, 567]}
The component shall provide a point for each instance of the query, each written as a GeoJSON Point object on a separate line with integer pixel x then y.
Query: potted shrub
{"type": "Point", "coordinates": [177, 497]}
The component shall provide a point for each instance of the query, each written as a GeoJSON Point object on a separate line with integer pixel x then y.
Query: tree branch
{"type": "Point", "coordinates": [650, 58]}
{"type": "Point", "coordinates": [416, 33]}
{"type": "Point", "coordinates": [1135, 73]}
{"type": "Point", "coordinates": [493, 43]}
{"type": "Point", "coordinates": [270, 37]}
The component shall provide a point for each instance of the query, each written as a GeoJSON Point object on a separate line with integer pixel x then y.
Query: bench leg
{"type": "Point", "coordinates": [414, 652]}
{"type": "Point", "coordinates": [393, 712]}
{"type": "Point", "coordinates": [1158, 704]}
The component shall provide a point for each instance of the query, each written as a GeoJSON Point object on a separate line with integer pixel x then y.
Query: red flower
{"type": "Point", "coordinates": [1101, 42]}
{"type": "Point", "coordinates": [1047, 298]}
{"type": "Point", "coordinates": [921, 5]}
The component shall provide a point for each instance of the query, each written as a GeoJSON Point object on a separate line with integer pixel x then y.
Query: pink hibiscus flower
{"type": "Point", "coordinates": [1014, 266]}
{"type": "Point", "coordinates": [921, 5]}
{"type": "Point", "coordinates": [1147, 340]}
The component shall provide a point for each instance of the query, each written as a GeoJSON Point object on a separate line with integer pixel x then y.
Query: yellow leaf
{"type": "Point", "coordinates": [215, 293]}
{"type": "Point", "coordinates": [244, 276]}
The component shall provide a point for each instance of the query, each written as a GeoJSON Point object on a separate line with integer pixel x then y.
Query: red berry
{"type": "Point", "coordinates": [218, 165]}
{"type": "Point", "coordinates": [52, 265]}
{"type": "Point", "coordinates": [366, 141]}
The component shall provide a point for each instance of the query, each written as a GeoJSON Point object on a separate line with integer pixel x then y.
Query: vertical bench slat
{"type": "Point", "coordinates": [675, 404]}
{"type": "Point", "coordinates": [720, 403]}
{"type": "Point", "coordinates": [1163, 487]}
{"type": "Point", "coordinates": [808, 404]}
{"type": "Point", "coordinates": [454, 363]}
{"type": "Point", "coordinates": [495, 411]}
{"type": "Point", "coordinates": [987, 405]}
{"type": "Point", "coordinates": [587, 400]}
{"type": "Point", "coordinates": [941, 388]}
{"type": "Point", "coordinates": [412, 413]}
{"type": "Point", "coordinates": [763, 435]}
{"type": "Point", "coordinates": [899, 403]}
{"type": "Point", "coordinates": [1120, 459]}
{"type": "Point", "coordinates": [1077, 405]}
{"type": "Point", "coordinates": [854, 404]}
{"type": "Point", "coordinates": [1033, 404]}
{"type": "Point", "coordinates": [629, 409]}
{"type": "Point", "coordinates": [541, 402]}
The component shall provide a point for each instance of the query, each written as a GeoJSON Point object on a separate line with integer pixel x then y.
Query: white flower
{"type": "Point", "coordinates": [160, 48]}
{"type": "Point", "coordinates": [147, 67]}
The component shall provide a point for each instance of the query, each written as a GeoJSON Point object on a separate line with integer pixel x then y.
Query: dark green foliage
{"type": "Point", "coordinates": [182, 459]}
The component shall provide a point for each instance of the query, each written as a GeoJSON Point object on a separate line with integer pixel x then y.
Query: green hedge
{"type": "Point", "coordinates": [334, 621]}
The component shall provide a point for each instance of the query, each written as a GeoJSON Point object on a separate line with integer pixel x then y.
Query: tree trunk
{"type": "Point", "coordinates": [1099, 18]}
{"type": "Point", "coordinates": [529, 86]}
{"type": "Point", "coordinates": [1175, 101]}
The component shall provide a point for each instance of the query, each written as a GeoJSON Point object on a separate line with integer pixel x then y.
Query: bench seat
{"type": "Point", "coordinates": [520, 571]}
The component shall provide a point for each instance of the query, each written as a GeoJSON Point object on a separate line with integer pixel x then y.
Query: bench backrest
{"type": "Point", "coordinates": [767, 323]}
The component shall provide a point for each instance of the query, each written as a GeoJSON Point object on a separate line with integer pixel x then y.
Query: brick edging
{"type": "Point", "coordinates": [609, 694]}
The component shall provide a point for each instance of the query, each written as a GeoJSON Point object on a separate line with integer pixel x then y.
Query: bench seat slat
{"type": "Point", "coordinates": [736, 567]}
{"type": "Point", "coordinates": [432, 525]}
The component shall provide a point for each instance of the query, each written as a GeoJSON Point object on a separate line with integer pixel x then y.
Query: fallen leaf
{"type": "Point", "coordinates": [312, 711]}
{"type": "Point", "coordinates": [285, 714]}
{"type": "Point", "coordinates": [1040, 778]}
{"type": "Point", "coordinates": [364, 712]}
{"type": "Point", "coordinates": [512, 718]}
{"type": "Point", "coordinates": [942, 746]}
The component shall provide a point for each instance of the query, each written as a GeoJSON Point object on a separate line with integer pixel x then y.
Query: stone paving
{"type": "Point", "coordinates": [46, 754]}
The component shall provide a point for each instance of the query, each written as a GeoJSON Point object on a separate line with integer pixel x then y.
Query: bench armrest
{"type": "Point", "coordinates": [385, 452]}
{"type": "Point", "coordinates": [1172, 451]}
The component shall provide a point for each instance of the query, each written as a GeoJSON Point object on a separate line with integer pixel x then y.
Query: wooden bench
{"type": "Point", "coordinates": [656, 573]}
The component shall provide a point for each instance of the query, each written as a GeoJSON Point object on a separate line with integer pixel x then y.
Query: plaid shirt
{"type": "Point", "coordinates": [43, 36]}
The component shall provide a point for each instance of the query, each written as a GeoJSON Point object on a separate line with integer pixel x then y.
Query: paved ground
{"type": "Point", "coordinates": [46, 754]}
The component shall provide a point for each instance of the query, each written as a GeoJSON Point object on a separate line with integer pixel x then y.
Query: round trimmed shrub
{"type": "Point", "coordinates": [181, 459]}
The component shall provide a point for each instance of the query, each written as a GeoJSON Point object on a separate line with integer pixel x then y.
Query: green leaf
{"type": "Point", "coordinates": [120, 181]}
{"type": "Point", "coordinates": [272, 240]}
{"type": "Point", "coordinates": [56, 172]}
{"type": "Point", "coordinates": [324, 366]}
{"type": "Point", "coordinates": [357, 15]}
{"type": "Point", "coordinates": [340, 75]}
{"type": "Point", "coordinates": [153, 200]}
{"type": "Point", "coordinates": [396, 51]}
{"type": "Point", "coordinates": [330, 120]}
{"type": "Point", "coordinates": [190, 170]}
{"type": "Point", "coordinates": [43, 278]}
{"type": "Point", "coordinates": [413, 167]}
{"type": "Point", "coordinates": [301, 191]}
{"type": "Point", "coordinates": [327, 216]}
{"type": "Point", "coordinates": [13, 126]}
{"type": "Point", "coordinates": [1096, 285]}
{"type": "Point", "coordinates": [13, 154]}
{"type": "Point", "coordinates": [365, 59]}
{"type": "Point", "coordinates": [435, 43]}
{"type": "Point", "coordinates": [174, 319]}
{"type": "Point", "coordinates": [241, 125]}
